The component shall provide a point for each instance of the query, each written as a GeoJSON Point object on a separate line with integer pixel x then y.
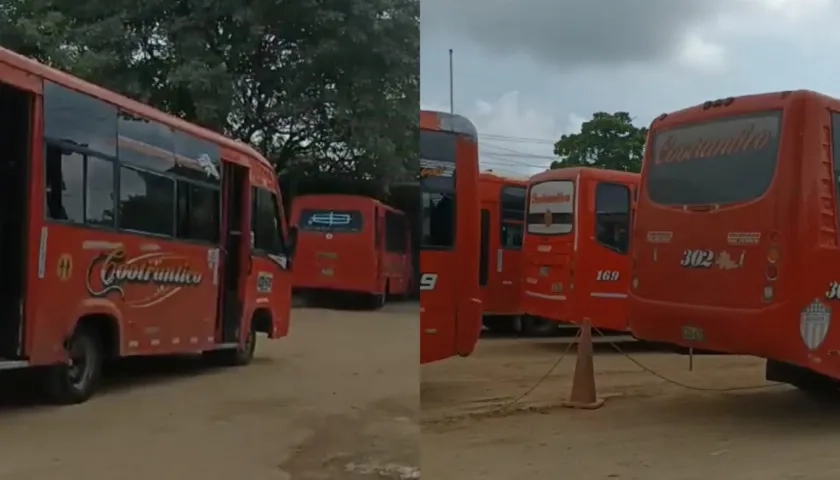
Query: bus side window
{"type": "Point", "coordinates": [512, 217]}
{"type": "Point", "coordinates": [266, 222]}
{"type": "Point", "coordinates": [835, 134]}
{"type": "Point", "coordinates": [612, 216]}
{"type": "Point", "coordinates": [484, 249]}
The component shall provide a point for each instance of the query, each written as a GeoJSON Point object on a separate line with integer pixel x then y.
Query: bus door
{"type": "Point", "coordinates": [608, 267]}
{"type": "Point", "coordinates": [236, 250]}
{"type": "Point", "coordinates": [509, 226]}
{"type": "Point", "coordinates": [19, 121]}
{"type": "Point", "coordinates": [548, 263]}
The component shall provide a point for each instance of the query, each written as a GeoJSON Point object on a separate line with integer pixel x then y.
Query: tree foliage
{"type": "Point", "coordinates": [608, 140]}
{"type": "Point", "coordinates": [318, 86]}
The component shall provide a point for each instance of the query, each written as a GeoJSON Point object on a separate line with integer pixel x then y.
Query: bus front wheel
{"type": "Point", "coordinates": [76, 381]}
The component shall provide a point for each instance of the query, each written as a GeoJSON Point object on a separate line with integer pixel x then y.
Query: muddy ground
{"type": "Point", "coordinates": [335, 400]}
{"type": "Point", "coordinates": [649, 428]}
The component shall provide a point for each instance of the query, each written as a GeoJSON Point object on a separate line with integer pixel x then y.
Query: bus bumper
{"type": "Point", "coordinates": [765, 332]}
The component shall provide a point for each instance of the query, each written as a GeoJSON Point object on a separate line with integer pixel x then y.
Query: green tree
{"type": "Point", "coordinates": [608, 140]}
{"type": "Point", "coordinates": [318, 86]}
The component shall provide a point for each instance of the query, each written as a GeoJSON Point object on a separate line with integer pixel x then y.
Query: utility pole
{"type": "Point", "coordinates": [451, 85]}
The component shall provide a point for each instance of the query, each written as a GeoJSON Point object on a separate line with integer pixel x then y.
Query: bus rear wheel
{"type": "Point", "coordinates": [76, 381]}
{"type": "Point", "coordinates": [235, 357]}
{"type": "Point", "coordinates": [378, 300]}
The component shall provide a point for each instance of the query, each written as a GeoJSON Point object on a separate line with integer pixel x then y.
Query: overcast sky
{"type": "Point", "coordinates": [527, 71]}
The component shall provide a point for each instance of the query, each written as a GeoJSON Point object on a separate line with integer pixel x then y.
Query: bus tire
{"type": "Point", "coordinates": [537, 327]}
{"type": "Point", "coordinates": [240, 356]}
{"type": "Point", "coordinates": [76, 381]}
{"type": "Point", "coordinates": [378, 300]}
{"type": "Point", "coordinates": [801, 378]}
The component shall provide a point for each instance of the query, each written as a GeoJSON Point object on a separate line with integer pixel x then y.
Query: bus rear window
{"type": "Point", "coordinates": [348, 221]}
{"type": "Point", "coordinates": [551, 208]}
{"type": "Point", "coordinates": [719, 162]}
{"type": "Point", "coordinates": [437, 185]}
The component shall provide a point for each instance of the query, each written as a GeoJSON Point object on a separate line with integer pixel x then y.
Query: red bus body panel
{"type": "Point", "coordinates": [451, 310]}
{"type": "Point", "coordinates": [350, 261]}
{"type": "Point", "coordinates": [502, 294]}
{"type": "Point", "coordinates": [571, 277]}
{"type": "Point", "coordinates": [775, 299]}
{"type": "Point", "coordinates": [74, 271]}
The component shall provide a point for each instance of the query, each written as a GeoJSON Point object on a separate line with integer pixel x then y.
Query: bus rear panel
{"type": "Point", "coordinates": [576, 247]}
{"type": "Point", "coordinates": [351, 244]}
{"type": "Point", "coordinates": [450, 296]}
{"type": "Point", "coordinates": [737, 198]}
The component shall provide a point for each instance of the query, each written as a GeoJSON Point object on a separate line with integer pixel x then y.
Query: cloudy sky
{"type": "Point", "coordinates": [527, 71]}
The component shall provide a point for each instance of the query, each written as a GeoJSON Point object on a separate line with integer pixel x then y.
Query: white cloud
{"type": "Point", "coordinates": [702, 55]}
{"type": "Point", "coordinates": [515, 138]}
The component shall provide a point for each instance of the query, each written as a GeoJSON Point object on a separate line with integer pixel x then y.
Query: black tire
{"type": "Point", "coordinates": [378, 300]}
{"type": "Point", "coordinates": [235, 357]}
{"type": "Point", "coordinates": [76, 381]}
{"type": "Point", "coordinates": [537, 327]}
{"type": "Point", "coordinates": [500, 325]}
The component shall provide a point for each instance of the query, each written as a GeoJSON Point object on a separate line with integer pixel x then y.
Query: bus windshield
{"type": "Point", "coordinates": [724, 161]}
{"type": "Point", "coordinates": [341, 221]}
{"type": "Point", "coordinates": [437, 185]}
{"type": "Point", "coordinates": [551, 208]}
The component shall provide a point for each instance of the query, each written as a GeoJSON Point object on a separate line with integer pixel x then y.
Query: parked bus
{"type": "Point", "coordinates": [351, 244]}
{"type": "Point", "coordinates": [576, 247]}
{"type": "Point", "coordinates": [500, 274]}
{"type": "Point", "coordinates": [450, 295]}
{"type": "Point", "coordinates": [126, 233]}
{"type": "Point", "coordinates": [737, 233]}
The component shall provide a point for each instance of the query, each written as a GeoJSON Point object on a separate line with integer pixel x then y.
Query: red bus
{"type": "Point", "coordinates": [129, 234]}
{"type": "Point", "coordinates": [500, 275]}
{"type": "Point", "coordinates": [576, 247]}
{"type": "Point", "coordinates": [450, 295]}
{"type": "Point", "coordinates": [353, 244]}
{"type": "Point", "coordinates": [737, 233]}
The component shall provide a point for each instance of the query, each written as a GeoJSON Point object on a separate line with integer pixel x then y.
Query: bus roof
{"type": "Point", "coordinates": [447, 122]}
{"type": "Point", "coordinates": [69, 81]}
{"type": "Point", "coordinates": [586, 172]}
{"type": "Point", "coordinates": [730, 106]}
{"type": "Point", "coordinates": [493, 176]}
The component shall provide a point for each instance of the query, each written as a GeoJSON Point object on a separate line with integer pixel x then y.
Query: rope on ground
{"type": "Point", "coordinates": [678, 383]}
{"type": "Point", "coordinates": [545, 376]}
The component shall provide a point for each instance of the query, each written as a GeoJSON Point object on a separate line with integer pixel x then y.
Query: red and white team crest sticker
{"type": "Point", "coordinates": [814, 322]}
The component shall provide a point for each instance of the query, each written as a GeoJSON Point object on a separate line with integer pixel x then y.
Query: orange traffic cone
{"type": "Point", "coordinates": [583, 386]}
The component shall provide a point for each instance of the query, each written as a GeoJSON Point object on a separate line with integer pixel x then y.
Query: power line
{"type": "Point", "coordinates": [508, 138]}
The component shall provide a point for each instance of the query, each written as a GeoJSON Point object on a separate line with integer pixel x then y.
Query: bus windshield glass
{"type": "Point", "coordinates": [551, 208]}
{"type": "Point", "coordinates": [724, 161]}
{"type": "Point", "coordinates": [437, 185]}
{"type": "Point", "coordinates": [333, 221]}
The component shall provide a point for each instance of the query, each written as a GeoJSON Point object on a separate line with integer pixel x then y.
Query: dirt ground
{"type": "Point", "coordinates": [649, 429]}
{"type": "Point", "coordinates": [337, 399]}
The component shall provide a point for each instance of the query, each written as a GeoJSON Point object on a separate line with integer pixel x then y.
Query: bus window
{"type": "Point", "coordinates": [437, 182]}
{"type": "Point", "coordinates": [396, 233]}
{"type": "Point", "coordinates": [712, 163]}
{"type": "Point", "coordinates": [484, 263]}
{"type": "Point", "coordinates": [333, 221]}
{"type": "Point", "coordinates": [612, 216]}
{"type": "Point", "coordinates": [512, 217]}
{"type": "Point", "coordinates": [551, 208]}
{"type": "Point", "coordinates": [512, 236]}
